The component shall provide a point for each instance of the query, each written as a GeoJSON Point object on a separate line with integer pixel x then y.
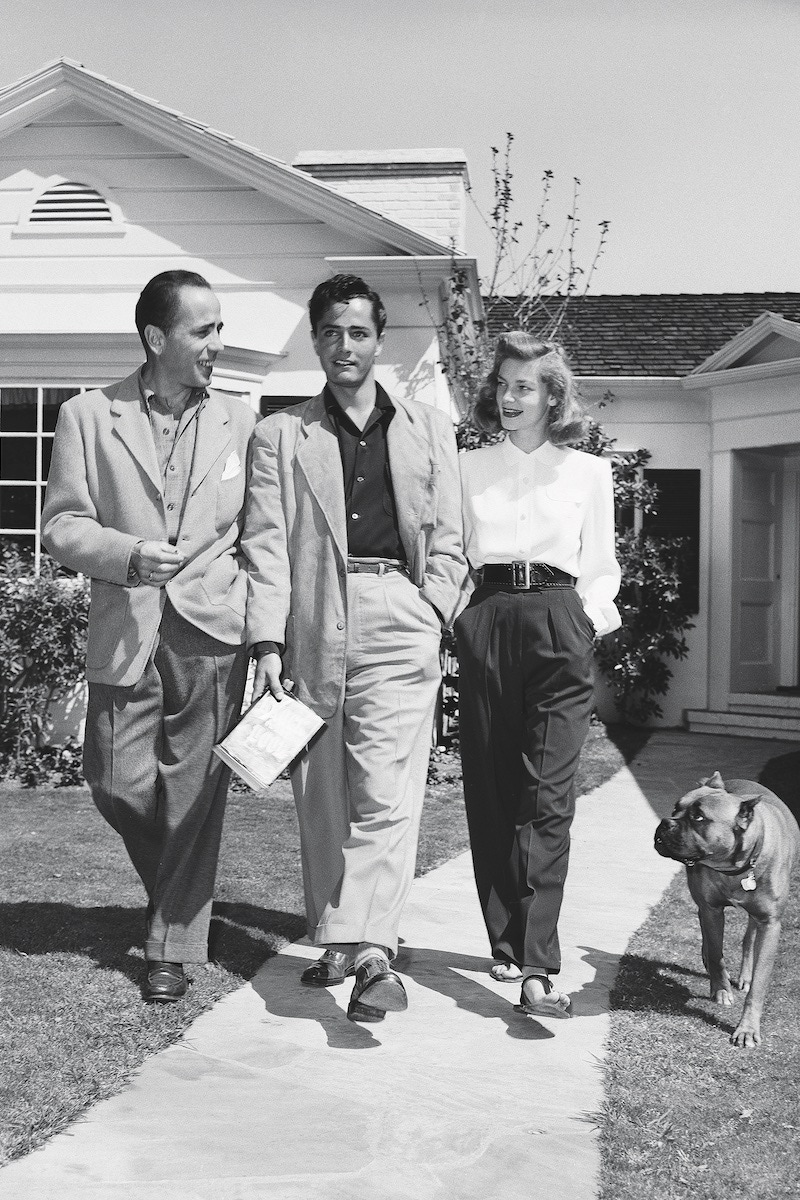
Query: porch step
{"type": "Point", "coordinates": [779, 725]}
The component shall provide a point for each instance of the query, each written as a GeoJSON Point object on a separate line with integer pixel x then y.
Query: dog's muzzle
{"type": "Point", "coordinates": [667, 844]}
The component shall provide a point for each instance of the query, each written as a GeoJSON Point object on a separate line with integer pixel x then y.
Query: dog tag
{"type": "Point", "coordinates": [749, 882]}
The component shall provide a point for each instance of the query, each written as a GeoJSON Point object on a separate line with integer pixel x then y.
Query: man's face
{"type": "Point", "coordinates": [191, 346]}
{"type": "Point", "coordinates": [347, 342]}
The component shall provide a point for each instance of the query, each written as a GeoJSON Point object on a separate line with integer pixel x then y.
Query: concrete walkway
{"type": "Point", "coordinates": [275, 1094]}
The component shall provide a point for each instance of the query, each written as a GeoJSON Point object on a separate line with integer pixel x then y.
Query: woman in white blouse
{"type": "Point", "coordinates": [539, 535]}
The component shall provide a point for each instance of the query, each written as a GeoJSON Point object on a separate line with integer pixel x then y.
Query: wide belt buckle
{"type": "Point", "coordinates": [521, 574]}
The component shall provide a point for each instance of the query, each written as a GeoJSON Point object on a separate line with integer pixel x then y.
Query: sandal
{"type": "Point", "coordinates": [552, 1004]}
{"type": "Point", "coordinates": [506, 972]}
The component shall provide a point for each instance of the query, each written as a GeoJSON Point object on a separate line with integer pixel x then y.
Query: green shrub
{"type": "Point", "coordinates": [43, 621]}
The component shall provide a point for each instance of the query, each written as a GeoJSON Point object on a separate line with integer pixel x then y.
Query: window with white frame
{"type": "Point", "coordinates": [27, 424]}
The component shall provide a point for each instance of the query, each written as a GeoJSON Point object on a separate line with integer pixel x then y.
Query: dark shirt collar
{"type": "Point", "coordinates": [383, 402]}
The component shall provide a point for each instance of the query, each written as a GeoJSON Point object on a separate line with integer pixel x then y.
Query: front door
{"type": "Point", "coordinates": [755, 629]}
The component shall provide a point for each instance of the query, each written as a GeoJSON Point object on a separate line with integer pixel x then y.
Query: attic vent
{"type": "Point", "coordinates": [70, 202]}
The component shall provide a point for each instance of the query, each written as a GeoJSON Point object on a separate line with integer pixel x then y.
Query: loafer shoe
{"type": "Point", "coordinates": [377, 990]}
{"type": "Point", "coordinates": [328, 971]}
{"type": "Point", "coordinates": [166, 981]}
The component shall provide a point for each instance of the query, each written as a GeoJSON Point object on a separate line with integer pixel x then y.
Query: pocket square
{"type": "Point", "coordinates": [232, 467]}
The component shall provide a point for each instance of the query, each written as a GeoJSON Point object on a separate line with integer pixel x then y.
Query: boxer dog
{"type": "Point", "coordinates": [739, 843]}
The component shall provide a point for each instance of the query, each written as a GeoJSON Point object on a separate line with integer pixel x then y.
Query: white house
{"type": "Point", "coordinates": [710, 385]}
{"type": "Point", "coordinates": [101, 188]}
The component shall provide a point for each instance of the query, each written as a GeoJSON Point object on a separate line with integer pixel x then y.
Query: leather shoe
{"type": "Point", "coordinates": [166, 981]}
{"type": "Point", "coordinates": [328, 971]}
{"type": "Point", "coordinates": [377, 990]}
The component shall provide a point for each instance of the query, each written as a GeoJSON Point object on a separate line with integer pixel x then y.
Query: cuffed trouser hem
{"type": "Point", "coordinates": [324, 935]}
{"type": "Point", "coordinates": [175, 952]}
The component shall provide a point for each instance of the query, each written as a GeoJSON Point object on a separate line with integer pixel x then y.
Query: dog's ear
{"type": "Point", "coordinates": [713, 781]}
{"type": "Point", "coordinates": [747, 806]}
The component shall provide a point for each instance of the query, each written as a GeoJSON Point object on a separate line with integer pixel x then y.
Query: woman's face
{"type": "Point", "coordinates": [522, 401]}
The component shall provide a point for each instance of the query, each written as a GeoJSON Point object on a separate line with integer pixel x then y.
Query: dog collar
{"type": "Point", "coordinates": [748, 883]}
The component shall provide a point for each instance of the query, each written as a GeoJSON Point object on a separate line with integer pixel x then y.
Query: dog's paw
{"type": "Point", "coordinates": [722, 996]}
{"type": "Point", "coordinates": [743, 983]}
{"type": "Point", "coordinates": [747, 1035]}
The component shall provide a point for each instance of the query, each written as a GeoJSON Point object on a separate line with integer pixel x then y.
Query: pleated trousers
{"type": "Point", "coordinates": [525, 699]}
{"type": "Point", "coordinates": [148, 761]}
{"type": "Point", "coordinates": [359, 789]}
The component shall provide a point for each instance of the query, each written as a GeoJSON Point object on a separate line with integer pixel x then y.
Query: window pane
{"type": "Point", "coordinates": [53, 399]}
{"type": "Point", "coordinates": [24, 541]}
{"type": "Point", "coordinates": [47, 454]}
{"type": "Point", "coordinates": [678, 516]}
{"type": "Point", "coordinates": [18, 507]}
{"type": "Point", "coordinates": [18, 410]}
{"type": "Point", "coordinates": [17, 458]}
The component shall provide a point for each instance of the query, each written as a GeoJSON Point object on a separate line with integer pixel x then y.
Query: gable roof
{"type": "Point", "coordinates": [771, 338]}
{"type": "Point", "coordinates": [64, 81]}
{"type": "Point", "coordinates": [667, 335]}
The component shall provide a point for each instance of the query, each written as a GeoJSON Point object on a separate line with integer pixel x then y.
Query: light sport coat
{"type": "Point", "coordinates": [104, 494]}
{"type": "Point", "coordinates": [295, 535]}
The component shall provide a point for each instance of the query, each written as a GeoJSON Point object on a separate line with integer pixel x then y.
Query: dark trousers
{"type": "Point", "coordinates": [526, 691]}
{"type": "Point", "coordinates": [148, 761]}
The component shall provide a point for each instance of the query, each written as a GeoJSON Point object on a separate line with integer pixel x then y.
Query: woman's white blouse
{"type": "Point", "coordinates": [554, 505]}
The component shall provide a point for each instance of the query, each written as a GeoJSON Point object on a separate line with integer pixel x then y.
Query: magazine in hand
{"type": "Point", "coordinates": [270, 734]}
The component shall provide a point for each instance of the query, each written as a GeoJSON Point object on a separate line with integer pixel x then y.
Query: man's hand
{"type": "Point", "coordinates": [268, 677]}
{"type": "Point", "coordinates": [156, 563]}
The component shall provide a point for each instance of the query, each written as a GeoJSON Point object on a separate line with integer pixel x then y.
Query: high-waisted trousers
{"type": "Point", "coordinates": [147, 759]}
{"type": "Point", "coordinates": [359, 789]}
{"type": "Point", "coordinates": [526, 692]}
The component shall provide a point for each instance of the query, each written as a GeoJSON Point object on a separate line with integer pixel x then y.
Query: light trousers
{"type": "Point", "coordinates": [525, 699]}
{"type": "Point", "coordinates": [360, 787]}
{"type": "Point", "coordinates": [148, 761]}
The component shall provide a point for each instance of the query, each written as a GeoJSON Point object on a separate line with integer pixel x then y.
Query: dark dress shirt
{"type": "Point", "coordinates": [372, 530]}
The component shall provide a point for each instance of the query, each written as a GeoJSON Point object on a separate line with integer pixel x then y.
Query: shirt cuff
{"type": "Point", "coordinates": [132, 578]}
{"type": "Point", "coordinates": [259, 649]}
{"type": "Point", "coordinates": [605, 617]}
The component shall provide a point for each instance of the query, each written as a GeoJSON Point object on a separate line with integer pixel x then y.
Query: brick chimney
{"type": "Point", "coordinates": [423, 189]}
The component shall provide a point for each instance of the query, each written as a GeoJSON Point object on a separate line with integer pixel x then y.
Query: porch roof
{"type": "Point", "coordinates": [661, 335]}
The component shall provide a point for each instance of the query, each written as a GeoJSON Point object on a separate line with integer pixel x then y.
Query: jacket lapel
{"type": "Point", "coordinates": [319, 459]}
{"type": "Point", "coordinates": [412, 475]}
{"type": "Point", "coordinates": [212, 439]}
{"type": "Point", "coordinates": [130, 423]}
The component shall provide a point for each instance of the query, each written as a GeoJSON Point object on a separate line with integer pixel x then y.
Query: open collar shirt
{"type": "Point", "coordinates": [372, 529]}
{"type": "Point", "coordinates": [175, 437]}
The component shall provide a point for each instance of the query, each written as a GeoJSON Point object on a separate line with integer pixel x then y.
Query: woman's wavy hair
{"type": "Point", "coordinates": [566, 420]}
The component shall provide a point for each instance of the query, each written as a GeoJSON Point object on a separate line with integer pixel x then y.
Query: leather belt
{"type": "Point", "coordinates": [374, 566]}
{"type": "Point", "coordinates": [524, 576]}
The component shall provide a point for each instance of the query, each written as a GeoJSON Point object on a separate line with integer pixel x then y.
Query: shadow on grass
{"type": "Point", "coordinates": [242, 935]}
{"type": "Point", "coordinates": [645, 985]}
{"type": "Point", "coordinates": [628, 739]}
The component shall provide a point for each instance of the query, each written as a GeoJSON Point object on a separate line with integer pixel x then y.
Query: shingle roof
{"type": "Point", "coordinates": [655, 335]}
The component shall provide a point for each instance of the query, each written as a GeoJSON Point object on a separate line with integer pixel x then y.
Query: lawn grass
{"type": "Point", "coordinates": [73, 1027]}
{"type": "Point", "coordinates": [687, 1115]}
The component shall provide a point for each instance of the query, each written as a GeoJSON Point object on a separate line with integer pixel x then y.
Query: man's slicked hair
{"type": "Point", "coordinates": [341, 289]}
{"type": "Point", "coordinates": [160, 299]}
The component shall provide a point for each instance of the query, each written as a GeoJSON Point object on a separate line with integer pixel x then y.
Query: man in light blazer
{"type": "Point", "coordinates": [145, 495]}
{"type": "Point", "coordinates": [353, 536]}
